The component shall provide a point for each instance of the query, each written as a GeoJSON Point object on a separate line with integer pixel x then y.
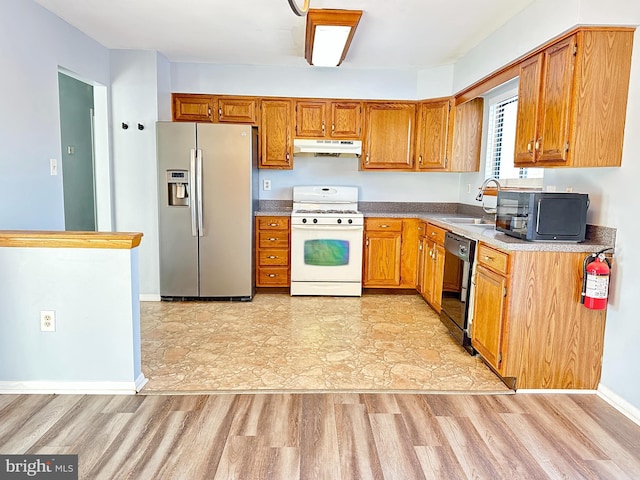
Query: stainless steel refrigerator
{"type": "Point", "coordinates": [207, 196]}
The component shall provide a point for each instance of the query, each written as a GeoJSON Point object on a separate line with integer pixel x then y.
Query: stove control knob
{"type": "Point", "coordinates": [304, 220]}
{"type": "Point", "coordinates": [315, 220]}
{"type": "Point", "coordinates": [339, 220]}
{"type": "Point", "coordinates": [350, 221]}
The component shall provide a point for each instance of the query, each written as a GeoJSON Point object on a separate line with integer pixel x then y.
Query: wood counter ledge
{"type": "Point", "coordinates": [63, 239]}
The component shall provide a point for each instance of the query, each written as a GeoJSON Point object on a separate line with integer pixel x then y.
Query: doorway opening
{"type": "Point", "coordinates": [78, 159]}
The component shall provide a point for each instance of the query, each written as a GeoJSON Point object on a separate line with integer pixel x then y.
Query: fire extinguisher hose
{"type": "Point", "coordinates": [587, 260]}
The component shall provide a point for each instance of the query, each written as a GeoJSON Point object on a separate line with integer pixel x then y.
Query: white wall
{"type": "Point", "coordinates": [611, 190]}
{"type": "Point", "coordinates": [97, 337]}
{"type": "Point", "coordinates": [136, 88]}
{"type": "Point", "coordinates": [33, 43]}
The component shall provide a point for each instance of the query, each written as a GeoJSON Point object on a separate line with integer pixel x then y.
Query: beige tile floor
{"type": "Point", "coordinates": [283, 343]}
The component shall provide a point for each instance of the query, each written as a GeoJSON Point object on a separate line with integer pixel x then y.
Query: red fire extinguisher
{"type": "Point", "coordinates": [595, 284]}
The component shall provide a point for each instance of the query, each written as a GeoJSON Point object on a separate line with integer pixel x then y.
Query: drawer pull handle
{"type": "Point", "coordinates": [274, 224]}
{"type": "Point", "coordinates": [384, 225]}
{"type": "Point", "coordinates": [272, 275]}
{"type": "Point", "coordinates": [273, 239]}
{"type": "Point", "coordinates": [272, 256]}
{"type": "Point", "coordinates": [488, 258]}
{"type": "Point", "coordinates": [433, 234]}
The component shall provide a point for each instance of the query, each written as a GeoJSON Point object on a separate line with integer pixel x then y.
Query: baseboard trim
{"type": "Point", "coordinates": [619, 403]}
{"type": "Point", "coordinates": [557, 390]}
{"type": "Point", "coordinates": [149, 297]}
{"type": "Point", "coordinates": [75, 388]}
{"type": "Point", "coordinates": [140, 382]}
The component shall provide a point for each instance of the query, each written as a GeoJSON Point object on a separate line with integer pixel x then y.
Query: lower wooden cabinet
{"type": "Point", "coordinates": [272, 252]}
{"type": "Point", "coordinates": [389, 253]}
{"type": "Point", "coordinates": [529, 324]}
{"type": "Point", "coordinates": [430, 267]}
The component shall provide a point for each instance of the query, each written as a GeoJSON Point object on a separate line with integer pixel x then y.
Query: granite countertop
{"type": "Point", "coordinates": [598, 238]}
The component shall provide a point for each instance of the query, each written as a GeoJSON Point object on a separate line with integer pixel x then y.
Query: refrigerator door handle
{"type": "Point", "coordinates": [199, 192]}
{"type": "Point", "coordinates": [192, 183]}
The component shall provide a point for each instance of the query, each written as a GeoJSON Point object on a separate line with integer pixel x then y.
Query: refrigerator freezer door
{"type": "Point", "coordinates": [178, 246]}
{"type": "Point", "coordinates": [226, 247]}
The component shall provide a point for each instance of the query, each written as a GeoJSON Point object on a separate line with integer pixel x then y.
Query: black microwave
{"type": "Point", "coordinates": [542, 216]}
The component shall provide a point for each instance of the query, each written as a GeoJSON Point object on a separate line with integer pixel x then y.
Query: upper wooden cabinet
{"type": "Point", "coordinates": [276, 141]}
{"type": "Point", "coordinates": [433, 135]}
{"type": "Point", "coordinates": [328, 119]}
{"type": "Point", "coordinates": [467, 136]}
{"type": "Point", "coordinates": [234, 109]}
{"type": "Point", "coordinates": [388, 136]}
{"type": "Point", "coordinates": [192, 107]}
{"type": "Point", "coordinates": [572, 101]}
{"type": "Point", "coordinates": [346, 119]}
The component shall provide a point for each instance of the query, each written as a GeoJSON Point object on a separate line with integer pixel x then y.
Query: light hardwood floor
{"type": "Point", "coordinates": [326, 436]}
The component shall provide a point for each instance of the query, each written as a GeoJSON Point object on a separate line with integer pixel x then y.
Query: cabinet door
{"type": "Point", "coordinates": [275, 134]}
{"type": "Point", "coordinates": [552, 141]}
{"type": "Point", "coordinates": [346, 120]}
{"type": "Point", "coordinates": [432, 135]}
{"type": "Point", "coordinates": [437, 275]}
{"type": "Point", "coordinates": [422, 259]}
{"type": "Point", "coordinates": [488, 315]}
{"type": "Point", "coordinates": [528, 100]}
{"type": "Point", "coordinates": [467, 136]}
{"type": "Point", "coordinates": [382, 259]}
{"type": "Point", "coordinates": [238, 110]}
{"type": "Point", "coordinates": [188, 107]}
{"type": "Point", "coordinates": [311, 119]}
{"type": "Point", "coordinates": [389, 133]}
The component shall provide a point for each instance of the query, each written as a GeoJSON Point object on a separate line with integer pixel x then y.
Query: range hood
{"type": "Point", "coordinates": [334, 148]}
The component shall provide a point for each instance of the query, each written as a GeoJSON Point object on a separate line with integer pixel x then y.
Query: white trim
{"type": "Point", "coordinates": [557, 390]}
{"type": "Point", "coordinates": [141, 381]}
{"type": "Point", "coordinates": [619, 403]}
{"type": "Point", "coordinates": [149, 297]}
{"type": "Point", "coordinates": [76, 388]}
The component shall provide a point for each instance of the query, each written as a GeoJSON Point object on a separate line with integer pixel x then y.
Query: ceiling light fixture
{"type": "Point", "coordinates": [301, 11]}
{"type": "Point", "coordinates": [329, 34]}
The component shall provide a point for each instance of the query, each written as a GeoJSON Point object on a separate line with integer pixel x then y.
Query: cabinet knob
{"type": "Point", "coordinates": [333, 128]}
{"type": "Point", "coordinates": [530, 146]}
{"type": "Point", "coordinates": [287, 157]}
{"type": "Point", "coordinates": [488, 258]}
{"type": "Point", "coordinates": [420, 159]}
{"type": "Point", "coordinates": [538, 144]}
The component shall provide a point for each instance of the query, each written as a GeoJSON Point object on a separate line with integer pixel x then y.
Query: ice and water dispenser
{"type": "Point", "coordinates": [178, 188]}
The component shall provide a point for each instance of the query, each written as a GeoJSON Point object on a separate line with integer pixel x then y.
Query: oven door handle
{"type": "Point", "coordinates": [314, 227]}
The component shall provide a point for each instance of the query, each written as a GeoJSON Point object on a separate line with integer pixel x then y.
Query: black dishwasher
{"type": "Point", "coordinates": [456, 288]}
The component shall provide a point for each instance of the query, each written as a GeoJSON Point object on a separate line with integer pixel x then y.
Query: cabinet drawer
{"type": "Point", "coordinates": [273, 223]}
{"type": "Point", "coordinates": [271, 257]}
{"type": "Point", "coordinates": [273, 276]}
{"type": "Point", "coordinates": [273, 239]}
{"type": "Point", "coordinates": [436, 233]}
{"type": "Point", "coordinates": [383, 224]}
{"type": "Point", "coordinates": [494, 259]}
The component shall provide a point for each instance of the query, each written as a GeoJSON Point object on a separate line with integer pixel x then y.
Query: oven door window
{"type": "Point", "coordinates": [326, 252]}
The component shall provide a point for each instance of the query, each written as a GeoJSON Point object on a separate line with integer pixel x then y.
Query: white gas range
{"type": "Point", "coordinates": [326, 241]}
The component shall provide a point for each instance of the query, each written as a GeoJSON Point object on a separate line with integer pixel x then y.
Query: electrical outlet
{"type": "Point", "coordinates": [266, 184]}
{"type": "Point", "coordinates": [53, 166]}
{"type": "Point", "coordinates": [47, 321]}
{"type": "Point", "coordinates": [569, 189]}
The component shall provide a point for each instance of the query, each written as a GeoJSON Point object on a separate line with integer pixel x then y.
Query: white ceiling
{"type": "Point", "coordinates": [392, 34]}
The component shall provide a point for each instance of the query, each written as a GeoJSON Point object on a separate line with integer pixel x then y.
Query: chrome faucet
{"type": "Point", "coordinates": [483, 187]}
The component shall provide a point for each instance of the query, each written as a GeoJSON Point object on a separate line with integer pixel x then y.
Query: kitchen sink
{"type": "Point", "coordinates": [469, 220]}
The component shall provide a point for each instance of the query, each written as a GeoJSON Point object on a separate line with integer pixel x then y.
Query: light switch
{"type": "Point", "coordinates": [53, 166]}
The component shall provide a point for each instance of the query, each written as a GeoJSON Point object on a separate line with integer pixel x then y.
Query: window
{"type": "Point", "coordinates": [501, 136]}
